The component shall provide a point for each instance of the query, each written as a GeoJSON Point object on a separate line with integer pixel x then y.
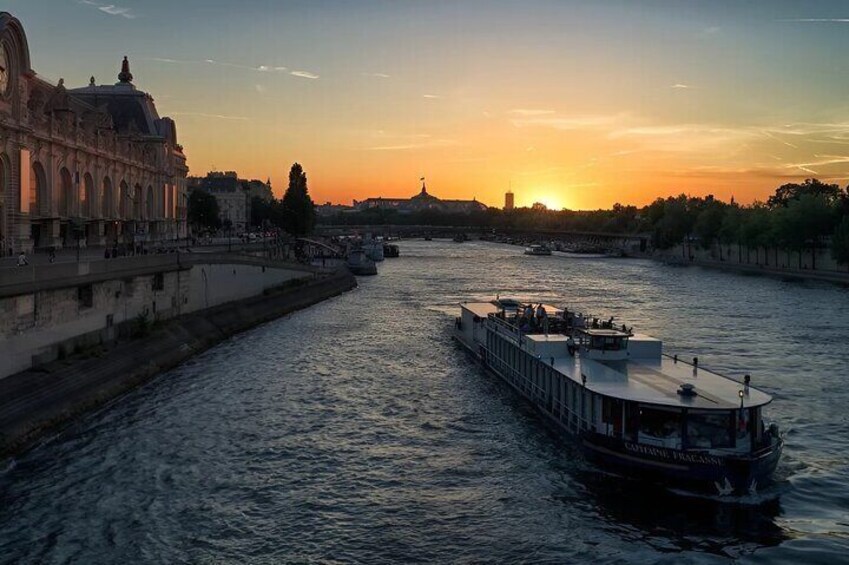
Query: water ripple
{"type": "Point", "coordinates": [355, 431]}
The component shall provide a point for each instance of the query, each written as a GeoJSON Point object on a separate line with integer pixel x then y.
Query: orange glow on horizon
{"type": "Point", "coordinates": [583, 107]}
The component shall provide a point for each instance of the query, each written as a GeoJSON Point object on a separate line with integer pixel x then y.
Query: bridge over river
{"type": "Point", "coordinates": [582, 240]}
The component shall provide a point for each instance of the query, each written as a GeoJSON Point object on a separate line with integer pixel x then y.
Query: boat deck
{"type": "Point", "coordinates": [651, 379]}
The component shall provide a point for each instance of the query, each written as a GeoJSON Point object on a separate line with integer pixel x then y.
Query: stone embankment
{"type": "Point", "coordinates": [41, 400]}
{"type": "Point", "coordinates": [781, 264]}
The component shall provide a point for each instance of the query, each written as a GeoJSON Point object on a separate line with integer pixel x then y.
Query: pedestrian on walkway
{"type": "Point", "coordinates": [22, 260]}
{"type": "Point", "coordinates": [52, 255]}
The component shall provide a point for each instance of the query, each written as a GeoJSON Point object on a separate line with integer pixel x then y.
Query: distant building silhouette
{"type": "Point", "coordinates": [95, 164]}
{"type": "Point", "coordinates": [233, 195]}
{"type": "Point", "coordinates": [420, 202]}
{"type": "Point", "coordinates": [508, 201]}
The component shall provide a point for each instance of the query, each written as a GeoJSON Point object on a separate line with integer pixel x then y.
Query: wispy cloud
{"type": "Point", "coordinates": [568, 122]}
{"type": "Point", "coordinates": [215, 116]}
{"type": "Point", "coordinates": [258, 68]}
{"type": "Point", "coordinates": [531, 112]}
{"type": "Point", "coordinates": [110, 9]}
{"type": "Point", "coordinates": [304, 74]}
{"type": "Point", "coordinates": [113, 10]}
{"type": "Point", "coordinates": [817, 20]}
{"type": "Point", "coordinates": [778, 139]}
{"type": "Point", "coordinates": [416, 145]}
{"type": "Point", "coordinates": [260, 88]}
{"type": "Point", "coordinates": [431, 96]}
{"type": "Point", "coordinates": [376, 75]}
{"type": "Point", "coordinates": [822, 161]}
{"type": "Point", "coordinates": [680, 85]}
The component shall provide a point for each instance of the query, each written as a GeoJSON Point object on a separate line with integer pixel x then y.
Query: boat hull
{"type": "Point", "coordinates": [689, 470]}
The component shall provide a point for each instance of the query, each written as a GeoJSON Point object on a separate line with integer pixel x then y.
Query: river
{"type": "Point", "coordinates": [357, 431]}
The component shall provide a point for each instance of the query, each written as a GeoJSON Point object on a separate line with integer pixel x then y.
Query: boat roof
{"type": "Point", "coordinates": [603, 332]}
{"type": "Point", "coordinates": [653, 380]}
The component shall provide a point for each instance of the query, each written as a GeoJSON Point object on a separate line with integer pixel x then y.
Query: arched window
{"type": "Point", "coordinates": [4, 212]}
{"type": "Point", "coordinates": [107, 199]}
{"type": "Point", "coordinates": [66, 193]}
{"type": "Point", "coordinates": [37, 188]}
{"type": "Point", "coordinates": [88, 206]}
{"type": "Point", "coordinates": [124, 202]}
{"type": "Point", "coordinates": [150, 204]}
{"type": "Point", "coordinates": [137, 202]}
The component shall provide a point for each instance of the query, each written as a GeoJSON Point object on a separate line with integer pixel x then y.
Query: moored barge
{"type": "Point", "coordinates": [631, 407]}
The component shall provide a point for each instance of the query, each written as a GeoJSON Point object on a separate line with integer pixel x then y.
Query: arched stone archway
{"type": "Point", "coordinates": [66, 194]}
{"type": "Point", "coordinates": [5, 198]}
{"type": "Point", "coordinates": [38, 197]}
{"type": "Point", "coordinates": [107, 199]}
{"type": "Point", "coordinates": [124, 201]}
{"type": "Point", "coordinates": [137, 202]}
{"type": "Point", "coordinates": [88, 203]}
{"type": "Point", "coordinates": [150, 204]}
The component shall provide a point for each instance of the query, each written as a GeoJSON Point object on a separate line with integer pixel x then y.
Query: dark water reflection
{"type": "Point", "coordinates": [356, 431]}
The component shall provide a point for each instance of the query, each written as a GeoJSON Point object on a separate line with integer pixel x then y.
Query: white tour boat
{"type": "Point", "coordinates": [537, 249]}
{"type": "Point", "coordinates": [359, 263]}
{"type": "Point", "coordinates": [630, 406]}
{"type": "Point", "coordinates": [373, 248]}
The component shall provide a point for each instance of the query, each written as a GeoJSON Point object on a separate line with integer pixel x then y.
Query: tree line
{"type": "Point", "coordinates": [797, 217]}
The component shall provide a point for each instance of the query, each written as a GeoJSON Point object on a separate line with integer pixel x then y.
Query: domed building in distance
{"type": "Point", "coordinates": [421, 202]}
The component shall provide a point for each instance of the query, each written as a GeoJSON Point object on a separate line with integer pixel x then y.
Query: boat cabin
{"type": "Point", "coordinates": [602, 344]}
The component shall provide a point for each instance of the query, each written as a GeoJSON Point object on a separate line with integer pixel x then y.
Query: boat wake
{"type": "Point", "coordinates": [771, 493]}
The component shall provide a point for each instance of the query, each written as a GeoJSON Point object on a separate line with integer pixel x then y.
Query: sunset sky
{"type": "Point", "coordinates": [574, 104]}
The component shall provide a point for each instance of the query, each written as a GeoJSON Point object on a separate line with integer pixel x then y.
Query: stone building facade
{"type": "Point", "coordinates": [84, 166]}
{"type": "Point", "coordinates": [234, 196]}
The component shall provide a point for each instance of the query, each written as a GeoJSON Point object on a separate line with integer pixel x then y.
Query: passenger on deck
{"type": "Point", "coordinates": [541, 313]}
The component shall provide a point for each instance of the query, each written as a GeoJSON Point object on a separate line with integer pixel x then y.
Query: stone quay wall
{"type": "Point", "coordinates": [48, 312]}
{"type": "Point", "coordinates": [774, 262]}
{"type": "Point", "coordinates": [40, 401]}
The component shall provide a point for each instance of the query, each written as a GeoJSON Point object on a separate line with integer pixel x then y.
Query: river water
{"type": "Point", "coordinates": [357, 431]}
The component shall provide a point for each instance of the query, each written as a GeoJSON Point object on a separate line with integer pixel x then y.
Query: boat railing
{"type": "Point", "coordinates": [699, 367]}
{"type": "Point", "coordinates": [503, 326]}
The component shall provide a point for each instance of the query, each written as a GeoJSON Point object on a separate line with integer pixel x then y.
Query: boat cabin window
{"type": "Point", "coordinates": [660, 427]}
{"type": "Point", "coordinates": [709, 430]}
{"type": "Point", "coordinates": [608, 343]}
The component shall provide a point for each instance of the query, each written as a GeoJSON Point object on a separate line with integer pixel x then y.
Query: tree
{"type": "Point", "coordinates": [731, 229]}
{"type": "Point", "coordinates": [676, 225]}
{"type": "Point", "coordinates": [840, 242]}
{"type": "Point", "coordinates": [804, 222]}
{"type": "Point", "coordinates": [266, 213]}
{"type": "Point", "coordinates": [708, 225]}
{"type": "Point", "coordinates": [793, 191]}
{"type": "Point", "coordinates": [298, 207]}
{"type": "Point", "coordinates": [203, 211]}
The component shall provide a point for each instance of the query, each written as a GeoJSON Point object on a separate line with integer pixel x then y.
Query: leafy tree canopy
{"type": "Point", "coordinates": [203, 212]}
{"type": "Point", "coordinates": [793, 191]}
